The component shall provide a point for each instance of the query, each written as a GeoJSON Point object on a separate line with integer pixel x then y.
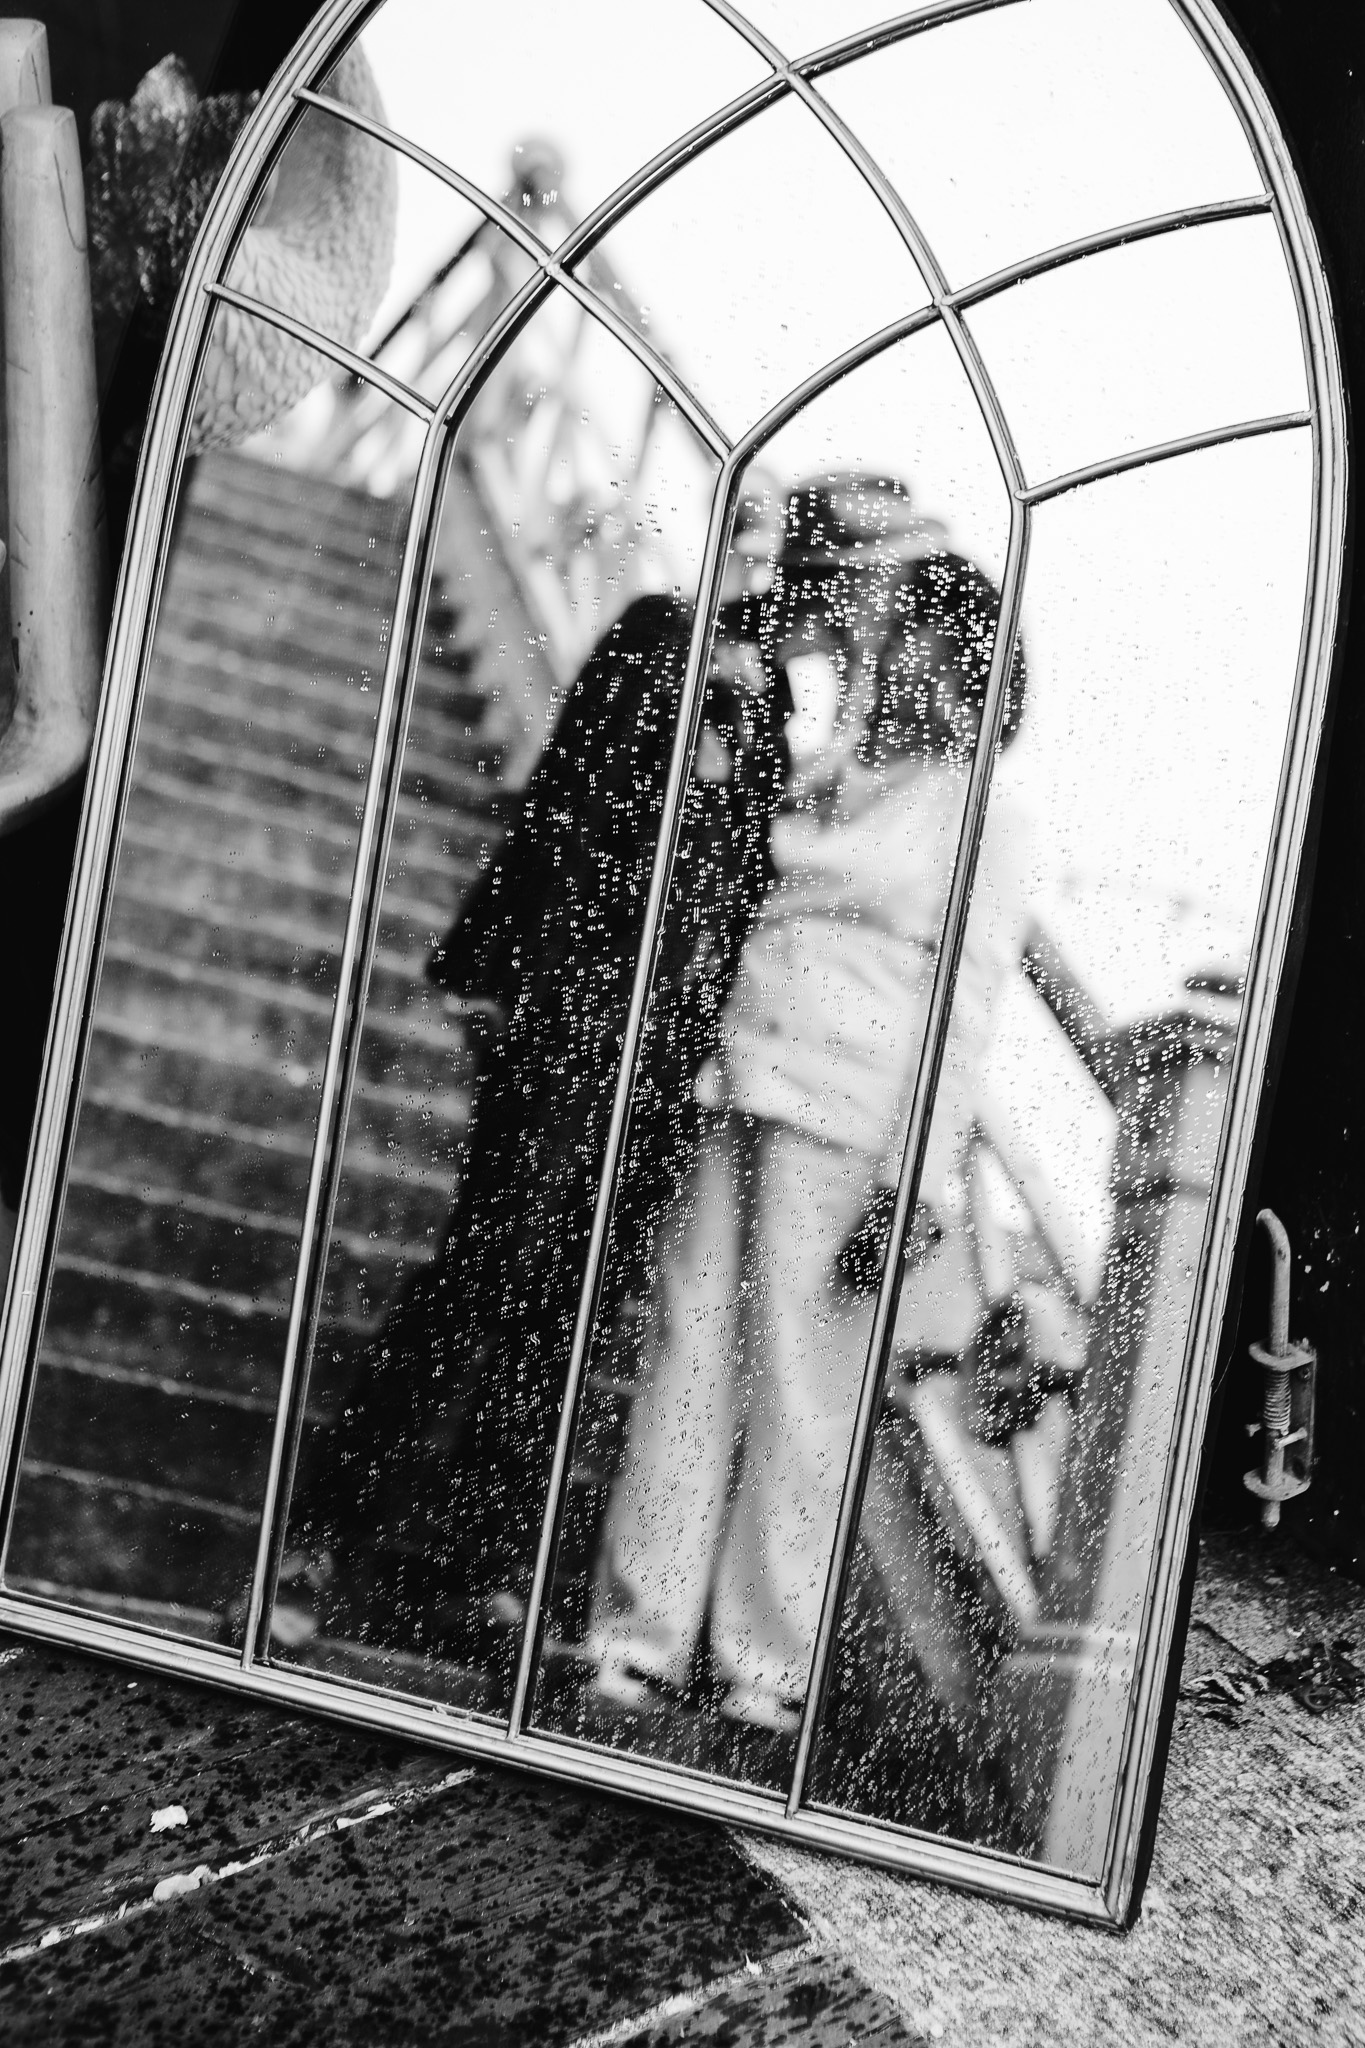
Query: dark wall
{"type": "Point", "coordinates": [1311, 55]}
{"type": "Point", "coordinates": [101, 48]}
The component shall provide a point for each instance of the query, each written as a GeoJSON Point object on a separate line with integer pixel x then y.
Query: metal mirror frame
{"type": "Point", "coordinates": [1111, 1898]}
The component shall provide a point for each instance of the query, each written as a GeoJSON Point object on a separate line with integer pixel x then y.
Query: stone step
{"type": "Point", "coordinates": [296, 841]}
{"type": "Point", "coordinates": [246, 507]}
{"type": "Point", "coordinates": [260, 1168]}
{"type": "Point", "coordinates": [215, 590]}
{"type": "Point", "coordinates": [245, 493]}
{"type": "Point", "coordinates": [360, 579]}
{"type": "Point", "coordinates": [152, 1326]}
{"type": "Point", "coordinates": [185, 1395]}
{"type": "Point", "coordinates": [163, 1234]}
{"type": "Point", "coordinates": [127, 1425]}
{"type": "Point", "coordinates": [301, 641]}
{"type": "Point", "coordinates": [463, 766]}
{"type": "Point", "coordinates": [271, 947]}
{"type": "Point", "coordinates": [316, 677]}
{"type": "Point", "coordinates": [451, 797]}
{"type": "Point", "coordinates": [173, 1330]}
{"type": "Point", "coordinates": [205, 878]}
{"type": "Point", "coordinates": [311, 675]}
{"type": "Point", "coordinates": [148, 1065]}
{"type": "Point", "coordinates": [210, 593]}
{"type": "Point", "coordinates": [73, 1530]}
{"type": "Point", "coordinates": [425, 1046]}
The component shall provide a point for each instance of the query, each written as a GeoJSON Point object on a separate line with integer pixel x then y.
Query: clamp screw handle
{"type": "Point", "coordinates": [1287, 1392]}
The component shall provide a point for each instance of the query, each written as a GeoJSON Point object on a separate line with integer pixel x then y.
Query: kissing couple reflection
{"type": "Point", "coordinates": [817, 842]}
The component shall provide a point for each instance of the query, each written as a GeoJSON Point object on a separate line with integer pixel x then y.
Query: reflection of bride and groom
{"type": "Point", "coordinates": [772, 1088]}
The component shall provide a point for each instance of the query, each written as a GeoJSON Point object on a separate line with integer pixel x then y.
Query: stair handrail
{"type": "Point", "coordinates": [567, 567]}
{"type": "Point", "coordinates": [53, 542]}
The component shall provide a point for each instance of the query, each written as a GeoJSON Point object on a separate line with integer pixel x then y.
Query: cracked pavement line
{"type": "Point", "coordinates": [180, 1884]}
{"type": "Point", "coordinates": [683, 2002]}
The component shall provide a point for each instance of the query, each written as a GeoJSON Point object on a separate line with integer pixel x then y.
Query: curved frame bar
{"type": "Point", "coordinates": [345, 358]}
{"type": "Point", "coordinates": [135, 620]}
{"type": "Point", "coordinates": [502, 216]}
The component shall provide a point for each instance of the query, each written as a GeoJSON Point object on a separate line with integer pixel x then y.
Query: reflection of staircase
{"type": "Point", "coordinates": [180, 1233]}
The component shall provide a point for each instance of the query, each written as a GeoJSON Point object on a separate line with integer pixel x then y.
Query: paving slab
{"type": "Point", "coordinates": [327, 1885]}
{"type": "Point", "coordinates": [93, 1755]}
{"type": "Point", "coordinates": [497, 1911]}
{"type": "Point", "coordinates": [182, 1867]}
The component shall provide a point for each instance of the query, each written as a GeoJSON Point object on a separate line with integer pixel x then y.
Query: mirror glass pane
{"type": "Point", "coordinates": [362, 244]}
{"type": "Point", "coordinates": [760, 261]}
{"type": "Point", "coordinates": [540, 734]}
{"type": "Point", "coordinates": [570, 101]}
{"type": "Point", "coordinates": [173, 1267]}
{"type": "Point", "coordinates": [818, 842]}
{"type": "Point", "coordinates": [1143, 344]}
{"type": "Point", "coordinates": [989, 1641]}
{"type": "Point", "coordinates": [1034, 125]}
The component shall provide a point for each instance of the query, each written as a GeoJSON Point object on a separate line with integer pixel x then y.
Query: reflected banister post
{"type": "Point", "coordinates": [937, 1021]}
{"type": "Point", "coordinates": [723, 505]}
{"type": "Point", "coordinates": [1328, 424]}
{"type": "Point", "coordinates": [1060, 1700]}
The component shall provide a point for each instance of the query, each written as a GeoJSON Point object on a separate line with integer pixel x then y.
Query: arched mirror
{"type": "Point", "coordinates": [700, 794]}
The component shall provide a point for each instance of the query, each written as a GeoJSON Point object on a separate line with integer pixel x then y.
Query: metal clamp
{"type": "Point", "coordinates": [1286, 1425]}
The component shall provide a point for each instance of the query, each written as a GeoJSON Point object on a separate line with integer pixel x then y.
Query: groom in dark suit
{"type": "Point", "coordinates": [432, 1486]}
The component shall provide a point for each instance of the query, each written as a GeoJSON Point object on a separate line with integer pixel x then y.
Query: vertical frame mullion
{"type": "Point", "coordinates": [960, 890]}
{"type": "Point", "coordinates": [685, 738]}
{"type": "Point", "coordinates": [937, 1025]}
{"type": "Point", "coordinates": [675, 792]}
